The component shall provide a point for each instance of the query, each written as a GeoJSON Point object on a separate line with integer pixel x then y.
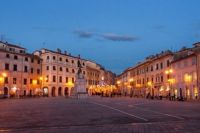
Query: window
{"type": "Point", "coordinates": [47, 57]}
{"type": "Point", "coordinates": [67, 79]}
{"type": "Point", "coordinates": [54, 58]}
{"type": "Point", "coordinates": [151, 68]}
{"type": "Point", "coordinates": [25, 69]}
{"type": "Point", "coordinates": [83, 64]}
{"type": "Point", "coordinates": [26, 59]}
{"type": "Point", "coordinates": [168, 63]}
{"type": "Point", "coordinates": [7, 55]}
{"type": "Point", "coordinates": [72, 61]}
{"type": "Point", "coordinates": [15, 57]}
{"type": "Point", "coordinates": [31, 70]}
{"type": "Point", "coordinates": [152, 79]}
{"type": "Point", "coordinates": [157, 67]}
{"type": "Point", "coordinates": [84, 72]}
{"type": "Point", "coordinates": [73, 71]}
{"type": "Point", "coordinates": [25, 81]}
{"type": "Point", "coordinates": [67, 70]}
{"type": "Point", "coordinates": [54, 78]}
{"type": "Point", "coordinates": [66, 60]}
{"type": "Point", "coordinates": [14, 67]}
{"type": "Point", "coordinates": [61, 69]}
{"type": "Point", "coordinates": [31, 81]}
{"type": "Point", "coordinates": [6, 66]}
{"type": "Point", "coordinates": [47, 67]}
{"type": "Point", "coordinates": [54, 68]}
{"type": "Point", "coordinates": [6, 80]}
{"type": "Point", "coordinates": [32, 60]}
{"type": "Point", "coordinates": [161, 65]}
{"type": "Point", "coordinates": [60, 79]}
{"type": "Point", "coordinates": [60, 59]}
{"type": "Point", "coordinates": [38, 61]}
{"type": "Point", "coordinates": [161, 78]}
{"type": "Point", "coordinates": [72, 80]}
{"type": "Point", "coordinates": [14, 80]}
{"type": "Point", "coordinates": [22, 51]}
{"type": "Point", "coordinates": [38, 71]}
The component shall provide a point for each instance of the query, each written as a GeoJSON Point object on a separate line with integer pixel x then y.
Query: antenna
{"type": "Point", "coordinates": [2, 37]}
{"type": "Point", "coordinates": [44, 43]}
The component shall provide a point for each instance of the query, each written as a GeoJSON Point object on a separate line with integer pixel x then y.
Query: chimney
{"type": "Point", "coordinates": [58, 50]}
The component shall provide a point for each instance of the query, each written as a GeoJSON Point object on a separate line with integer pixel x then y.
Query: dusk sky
{"type": "Point", "coordinates": [114, 33]}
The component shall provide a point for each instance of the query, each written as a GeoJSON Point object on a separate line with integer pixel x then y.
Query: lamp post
{"type": "Point", "coordinates": [150, 90]}
{"type": "Point", "coordinates": [168, 73]}
{"type": "Point", "coordinates": [188, 79]}
{"type": "Point", "coordinates": [131, 87]}
{"type": "Point", "coordinates": [4, 77]}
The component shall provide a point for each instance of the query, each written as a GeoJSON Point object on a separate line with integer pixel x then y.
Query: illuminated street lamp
{"type": "Point", "coordinates": [131, 87]}
{"type": "Point", "coordinates": [168, 73]}
{"type": "Point", "coordinates": [2, 79]}
{"type": "Point", "coordinates": [150, 84]}
{"type": "Point", "coordinates": [118, 82]}
{"type": "Point", "coordinates": [187, 79]}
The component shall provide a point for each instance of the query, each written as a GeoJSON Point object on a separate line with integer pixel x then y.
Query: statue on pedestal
{"type": "Point", "coordinates": [80, 83]}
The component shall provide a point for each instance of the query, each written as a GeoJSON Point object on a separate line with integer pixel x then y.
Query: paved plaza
{"type": "Point", "coordinates": [99, 115]}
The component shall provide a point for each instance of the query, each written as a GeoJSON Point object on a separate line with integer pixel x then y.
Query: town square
{"type": "Point", "coordinates": [100, 66]}
{"type": "Point", "coordinates": [98, 114]}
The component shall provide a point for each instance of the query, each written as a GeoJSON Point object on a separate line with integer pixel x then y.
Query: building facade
{"type": "Point", "coordinates": [148, 77]}
{"type": "Point", "coordinates": [184, 76]}
{"type": "Point", "coordinates": [59, 71]}
{"type": "Point", "coordinates": [20, 71]}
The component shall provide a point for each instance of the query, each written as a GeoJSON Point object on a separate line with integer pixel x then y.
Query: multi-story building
{"type": "Point", "coordinates": [97, 75]}
{"type": "Point", "coordinates": [184, 76]}
{"type": "Point", "coordinates": [19, 71]}
{"type": "Point", "coordinates": [59, 71]}
{"type": "Point", "coordinates": [45, 72]}
{"type": "Point", "coordinates": [147, 77]}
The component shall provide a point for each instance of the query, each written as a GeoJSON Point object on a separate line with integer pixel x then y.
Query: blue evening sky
{"type": "Point", "coordinates": [114, 33]}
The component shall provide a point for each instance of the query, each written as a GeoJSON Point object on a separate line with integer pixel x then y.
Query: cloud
{"type": "Point", "coordinates": [104, 36]}
{"type": "Point", "coordinates": [84, 34]}
{"type": "Point", "coordinates": [116, 37]}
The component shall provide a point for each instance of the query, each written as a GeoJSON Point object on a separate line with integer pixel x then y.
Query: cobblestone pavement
{"type": "Point", "coordinates": [98, 115]}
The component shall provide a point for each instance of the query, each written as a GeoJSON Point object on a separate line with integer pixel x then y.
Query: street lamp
{"type": "Point", "coordinates": [168, 73]}
{"type": "Point", "coordinates": [149, 84]}
{"type": "Point", "coordinates": [188, 79]}
{"type": "Point", "coordinates": [4, 77]}
{"type": "Point", "coordinates": [131, 86]}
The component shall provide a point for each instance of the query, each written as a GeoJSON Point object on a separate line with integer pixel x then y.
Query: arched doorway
{"type": "Point", "coordinates": [53, 92]}
{"type": "Point", "coordinates": [66, 91]}
{"type": "Point", "coordinates": [6, 92]}
{"type": "Point", "coordinates": [59, 91]}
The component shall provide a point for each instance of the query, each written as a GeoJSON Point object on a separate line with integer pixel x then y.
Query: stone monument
{"type": "Point", "coordinates": [80, 84]}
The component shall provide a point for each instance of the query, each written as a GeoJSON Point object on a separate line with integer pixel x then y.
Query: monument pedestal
{"type": "Point", "coordinates": [80, 87]}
